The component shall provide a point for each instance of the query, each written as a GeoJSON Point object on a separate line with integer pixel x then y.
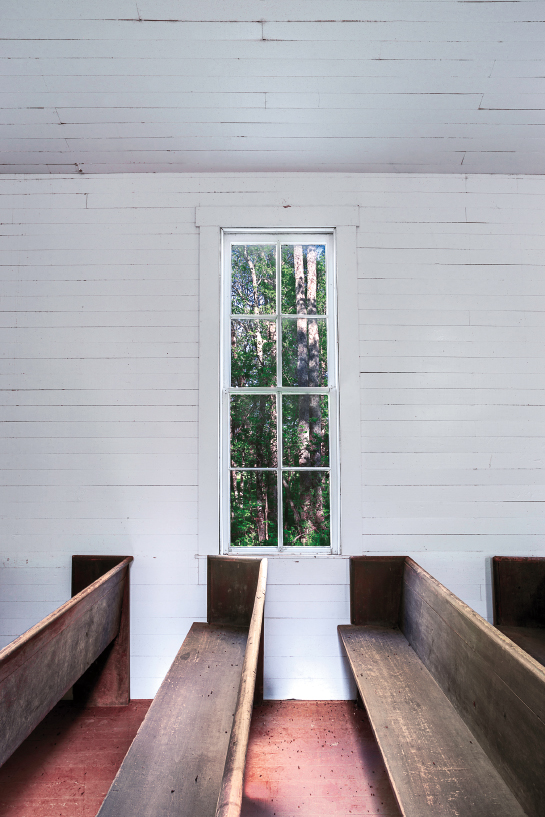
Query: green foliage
{"type": "Point", "coordinates": [306, 508]}
{"type": "Point", "coordinates": [253, 418]}
{"type": "Point", "coordinates": [253, 431]}
{"type": "Point", "coordinates": [254, 516]}
{"type": "Point", "coordinates": [251, 366]}
{"type": "Point", "coordinates": [247, 296]}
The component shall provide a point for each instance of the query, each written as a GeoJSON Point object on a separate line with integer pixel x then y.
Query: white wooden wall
{"type": "Point", "coordinates": [99, 393]}
{"type": "Point", "coordinates": [438, 86]}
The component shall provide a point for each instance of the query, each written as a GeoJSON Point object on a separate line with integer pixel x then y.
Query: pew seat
{"type": "Point", "coordinates": [188, 756]}
{"type": "Point", "coordinates": [457, 709]}
{"type": "Point", "coordinates": [435, 763]}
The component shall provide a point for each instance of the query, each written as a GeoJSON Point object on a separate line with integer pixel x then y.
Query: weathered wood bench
{"type": "Point", "coordinates": [188, 756]}
{"type": "Point", "coordinates": [519, 602]}
{"type": "Point", "coordinates": [457, 709]}
{"type": "Point", "coordinates": [87, 638]}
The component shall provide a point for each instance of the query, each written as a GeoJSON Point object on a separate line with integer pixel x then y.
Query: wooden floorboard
{"type": "Point", "coordinates": [306, 758]}
{"type": "Point", "coordinates": [314, 759]}
{"type": "Point", "coordinates": [66, 766]}
{"type": "Point", "coordinates": [435, 763]}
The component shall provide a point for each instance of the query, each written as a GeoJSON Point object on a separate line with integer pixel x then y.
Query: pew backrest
{"type": "Point", "coordinates": [189, 754]}
{"type": "Point", "coordinates": [40, 666]}
{"type": "Point", "coordinates": [495, 687]}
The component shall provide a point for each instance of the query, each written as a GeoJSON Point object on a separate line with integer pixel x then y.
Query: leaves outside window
{"type": "Point", "coordinates": [279, 442]}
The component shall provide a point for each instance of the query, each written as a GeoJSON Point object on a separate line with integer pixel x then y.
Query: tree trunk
{"type": "Point", "coordinates": [304, 399]}
{"type": "Point", "coordinates": [302, 355]}
{"type": "Point", "coordinates": [258, 336]}
{"type": "Point", "coordinates": [260, 510]}
{"type": "Point", "coordinates": [315, 413]}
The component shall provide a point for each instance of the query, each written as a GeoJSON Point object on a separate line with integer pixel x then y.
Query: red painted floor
{"type": "Point", "coordinates": [305, 759]}
{"type": "Point", "coordinates": [315, 759]}
{"type": "Point", "coordinates": [66, 766]}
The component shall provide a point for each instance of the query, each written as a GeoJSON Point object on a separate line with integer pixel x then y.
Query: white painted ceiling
{"type": "Point", "coordinates": [107, 86]}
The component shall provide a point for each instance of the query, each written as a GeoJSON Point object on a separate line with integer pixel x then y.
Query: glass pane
{"type": "Point", "coordinates": [304, 288]}
{"type": "Point", "coordinates": [253, 431]}
{"type": "Point", "coordinates": [254, 516]}
{"type": "Point", "coordinates": [305, 430]}
{"type": "Point", "coordinates": [253, 279]}
{"type": "Point", "coordinates": [253, 353]}
{"type": "Point", "coordinates": [304, 352]}
{"type": "Point", "coordinates": [305, 497]}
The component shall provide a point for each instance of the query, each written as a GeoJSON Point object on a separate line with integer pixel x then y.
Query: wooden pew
{"type": "Point", "coordinates": [39, 667]}
{"type": "Point", "coordinates": [519, 601]}
{"type": "Point", "coordinates": [458, 710]}
{"type": "Point", "coordinates": [188, 756]}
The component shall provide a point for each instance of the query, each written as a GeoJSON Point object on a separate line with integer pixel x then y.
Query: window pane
{"type": "Point", "coordinates": [253, 353]}
{"type": "Point", "coordinates": [304, 288]}
{"type": "Point", "coordinates": [253, 279]}
{"type": "Point", "coordinates": [304, 352]}
{"type": "Point", "coordinates": [253, 431]}
{"type": "Point", "coordinates": [305, 430]}
{"type": "Point", "coordinates": [305, 497]}
{"type": "Point", "coordinates": [254, 517]}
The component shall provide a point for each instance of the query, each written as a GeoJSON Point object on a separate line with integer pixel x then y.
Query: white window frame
{"type": "Point", "coordinates": [343, 220]}
{"type": "Point", "coordinates": [304, 236]}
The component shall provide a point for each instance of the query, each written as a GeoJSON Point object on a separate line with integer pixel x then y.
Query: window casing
{"type": "Point", "coordinates": [279, 396]}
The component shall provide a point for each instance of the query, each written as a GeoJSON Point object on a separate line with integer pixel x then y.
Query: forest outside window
{"type": "Point", "coordinates": [279, 396]}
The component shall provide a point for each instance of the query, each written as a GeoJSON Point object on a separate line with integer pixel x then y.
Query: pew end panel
{"type": "Point", "coordinates": [376, 586]}
{"type": "Point", "coordinates": [519, 591]}
{"type": "Point", "coordinates": [232, 584]}
{"type": "Point", "coordinates": [107, 681]}
{"type": "Point", "coordinates": [519, 602]}
{"type": "Point", "coordinates": [231, 588]}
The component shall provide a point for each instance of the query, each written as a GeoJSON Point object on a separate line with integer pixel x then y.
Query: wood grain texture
{"type": "Point", "coordinates": [519, 591]}
{"type": "Point", "coordinates": [376, 589]}
{"type": "Point", "coordinates": [435, 763]}
{"type": "Point", "coordinates": [107, 681]}
{"type": "Point", "coordinates": [529, 639]}
{"type": "Point", "coordinates": [41, 665]}
{"type": "Point", "coordinates": [230, 796]}
{"type": "Point", "coordinates": [175, 764]}
{"type": "Point", "coordinates": [519, 601]}
{"type": "Point", "coordinates": [342, 87]}
{"type": "Point", "coordinates": [494, 686]}
{"type": "Point", "coordinates": [232, 584]}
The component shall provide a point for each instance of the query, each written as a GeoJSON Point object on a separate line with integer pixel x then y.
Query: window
{"type": "Point", "coordinates": [279, 408]}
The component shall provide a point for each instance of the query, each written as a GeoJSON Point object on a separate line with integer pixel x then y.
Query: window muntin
{"type": "Point", "coordinates": [279, 396]}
